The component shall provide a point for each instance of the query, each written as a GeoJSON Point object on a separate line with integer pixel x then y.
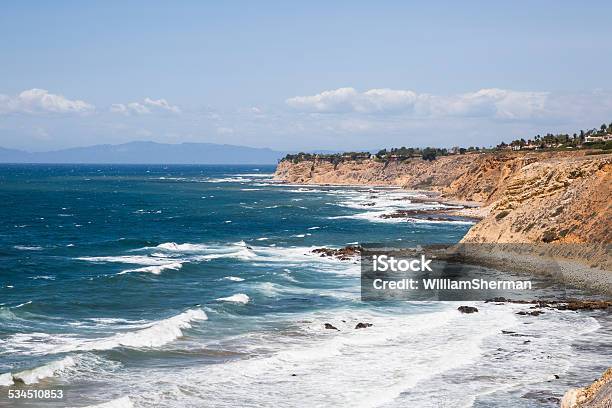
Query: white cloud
{"type": "Point", "coordinates": [499, 103]}
{"type": "Point", "coordinates": [41, 101]}
{"type": "Point", "coordinates": [162, 104]}
{"type": "Point", "coordinates": [145, 107]}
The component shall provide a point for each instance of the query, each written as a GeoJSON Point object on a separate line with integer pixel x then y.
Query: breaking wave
{"type": "Point", "coordinates": [237, 298]}
{"type": "Point", "coordinates": [123, 402]}
{"type": "Point", "coordinates": [154, 334]}
{"type": "Point", "coordinates": [34, 375]}
{"type": "Point", "coordinates": [155, 270]}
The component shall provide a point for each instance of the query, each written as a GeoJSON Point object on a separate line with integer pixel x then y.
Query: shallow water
{"type": "Point", "coordinates": [181, 286]}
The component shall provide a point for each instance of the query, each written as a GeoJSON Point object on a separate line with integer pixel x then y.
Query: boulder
{"type": "Point", "coordinates": [467, 309]}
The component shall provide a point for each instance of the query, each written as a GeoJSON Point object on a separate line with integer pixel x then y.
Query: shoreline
{"type": "Point", "coordinates": [577, 270]}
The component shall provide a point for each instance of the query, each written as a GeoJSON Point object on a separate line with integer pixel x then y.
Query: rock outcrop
{"type": "Point", "coordinates": [596, 395]}
{"type": "Point", "coordinates": [474, 177]}
{"type": "Point", "coordinates": [561, 200]}
{"type": "Point", "coordinates": [535, 198]}
{"type": "Point", "coordinates": [561, 197]}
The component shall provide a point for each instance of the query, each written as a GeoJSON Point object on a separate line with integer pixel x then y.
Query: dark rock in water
{"type": "Point", "coordinates": [542, 397]}
{"type": "Point", "coordinates": [294, 375]}
{"type": "Point", "coordinates": [533, 313]}
{"type": "Point", "coordinates": [361, 325]}
{"type": "Point", "coordinates": [467, 309]}
{"type": "Point", "coordinates": [330, 326]}
{"type": "Point", "coordinates": [556, 377]}
{"type": "Point", "coordinates": [343, 254]}
{"type": "Point", "coordinates": [566, 304]}
{"type": "Point", "coordinates": [507, 332]}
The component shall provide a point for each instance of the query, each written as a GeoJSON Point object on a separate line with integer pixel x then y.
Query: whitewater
{"type": "Point", "coordinates": [189, 286]}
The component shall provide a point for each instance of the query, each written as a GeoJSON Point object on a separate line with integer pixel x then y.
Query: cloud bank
{"type": "Point", "coordinates": [145, 107]}
{"type": "Point", "coordinates": [41, 101]}
{"type": "Point", "coordinates": [490, 102]}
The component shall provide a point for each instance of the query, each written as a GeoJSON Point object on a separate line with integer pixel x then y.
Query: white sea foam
{"type": "Point", "coordinates": [318, 355]}
{"type": "Point", "coordinates": [173, 246]}
{"type": "Point", "coordinates": [233, 278]}
{"type": "Point", "coordinates": [229, 180]}
{"type": "Point", "coordinates": [34, 375]}
{"type": "Point", "coordinates": [237, 298]}
{"type": "Point", "coordinates": [28, 248]}
{"type": "Point", "coordinates": [153, 334]}
{"type": "Point", "coordinates": [46, 277]}
{"type": "Point", "coordinates": [128, 259]}
{"type": "Point", "coordinates": [258, 175]}
{"type": "Point", "coordinates": [403, 355]}
{"type": "Point", "coordinates": [6, 379]}
{"type": "Point", "coordinates": [123, 402]}
{"type": "Point", "coordinates": [155, 269]}
{"type": "Point", "coordinates": [156, 335]}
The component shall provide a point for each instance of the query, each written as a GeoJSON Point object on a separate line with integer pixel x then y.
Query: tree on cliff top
{"type": "Point", "coordinates": [429, 154]}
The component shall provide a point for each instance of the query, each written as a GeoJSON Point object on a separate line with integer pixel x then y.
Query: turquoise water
{"type": "Point", "coordinates": [195, 286]}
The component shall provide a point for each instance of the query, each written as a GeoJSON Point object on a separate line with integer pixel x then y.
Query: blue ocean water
{"type": "Point", "coordinates": [196, 286]}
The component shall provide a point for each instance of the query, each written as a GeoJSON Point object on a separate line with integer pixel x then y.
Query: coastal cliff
{"type": "Point", "coordinates": [562, 197]}
{"type": "Point", "coordinates": [534, 198]}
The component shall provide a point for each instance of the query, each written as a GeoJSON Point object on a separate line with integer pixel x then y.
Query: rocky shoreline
{"type": "Point", "coordinates": [596, 395]}
{"type": "Point", "coordinates": [561, 199]}
{"type": "Point", "coordinates": [548, 214]}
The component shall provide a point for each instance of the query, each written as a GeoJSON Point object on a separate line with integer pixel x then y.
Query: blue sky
{"type": "Point", "coordinates": [307, 75]}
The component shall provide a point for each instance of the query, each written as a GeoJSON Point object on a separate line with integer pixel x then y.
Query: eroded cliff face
{"type": "Point", "coordinates": [562, 197]}
{"type": "Point", "coordinates": [561, 200]}
{"type": "Point", "coordinates": [472, 177]}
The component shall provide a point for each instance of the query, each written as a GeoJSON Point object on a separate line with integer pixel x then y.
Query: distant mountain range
{"type": "Point", "coordinates": [148, 153]}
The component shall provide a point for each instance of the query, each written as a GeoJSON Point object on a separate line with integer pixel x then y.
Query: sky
{"type": "Point", "coordinates": [309, 75]}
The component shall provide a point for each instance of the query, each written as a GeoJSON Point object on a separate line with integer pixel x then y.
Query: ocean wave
{"type": "Point", "coordinates": [123, 402]}
{"type": "Point", "coordinates": [34, 375]}
{"type": "Point", "coordinates": [275, 290]}
{"type": "Point", "coordinates": [233, 278]}
{"type": "Point", "coordinates": [313, 360]}
{"type": "Point", "coordinates": [174, 247]}
{"type": "Point", "coordinates": [6, 314]}
{"type": "Point", "coordinates": [149, 335]}
{"type": "Point", "coordinates": [127, 259]}
{"type": "Point", "coordinates": [28, 248]}
{"type": "Point", "coordinates": [156, 269]}
{"type": "Point", "coordinates": [237, 298]}
{"type": "Point", "coordinates": [6, 380]}
{"type": "Point", "coordinates": [239, 250]}
{"type": "Point", "coordinates": [258, 175]}
{"type": "Point", "coordinates": [156, 335]}
{"type": "Point", "coordinates": [229, 180]}
{"type": "Point", "coordinates": [454, 222]}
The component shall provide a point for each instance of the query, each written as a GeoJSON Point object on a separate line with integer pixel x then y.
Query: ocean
{"type": "Point", "coordinates": [192, 286]}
